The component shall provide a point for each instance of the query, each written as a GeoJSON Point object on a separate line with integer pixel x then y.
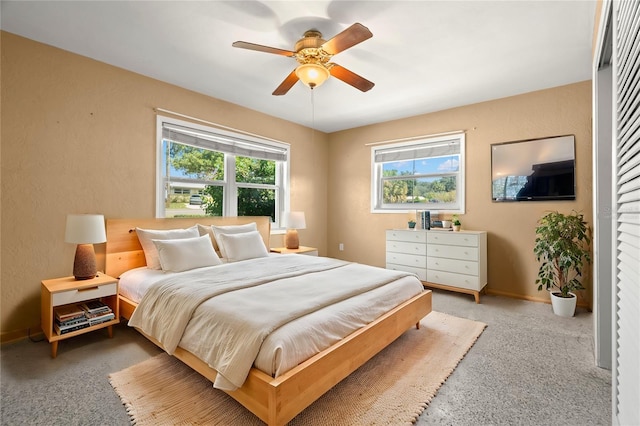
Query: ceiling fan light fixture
{"type": "Point", "coordinates": [312, 75]}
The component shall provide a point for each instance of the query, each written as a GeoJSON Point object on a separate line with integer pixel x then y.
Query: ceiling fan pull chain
{"type": "Point", "coordinates": [313, 116]}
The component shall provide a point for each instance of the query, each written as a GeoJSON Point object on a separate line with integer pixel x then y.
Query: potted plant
{"type": "Point", "coordinates": [412, 224]}
{"type": "Point", "coordinates": [456, 223]}
{"type": "Point", "coordinates": [563, 246]}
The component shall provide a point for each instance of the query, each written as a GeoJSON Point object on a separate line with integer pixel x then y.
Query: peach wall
{"type": "Point", "coordinates": [510, 226]}
{"type": "Point", "coordinates": [78, 136]}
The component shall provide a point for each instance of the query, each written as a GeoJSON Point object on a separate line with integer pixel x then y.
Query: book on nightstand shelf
{"type": "Point", "coordinates": [93, 307]}
{"type": "Point", "coordinates": [63, 329]}
{"type": "Point", "coordinates": [99, 319]}
{"type": "Point", "coordinates": [68, 312]}
{"type": "Point", "coordinates": [98, 314]}
{"type": "Point", "coordinates": [73, 321]}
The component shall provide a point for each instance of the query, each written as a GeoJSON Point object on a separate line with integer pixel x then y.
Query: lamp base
{"type": "Point", "coordinates": [84, 264]}
{"type": "Point", "coordinates": [291, 240]}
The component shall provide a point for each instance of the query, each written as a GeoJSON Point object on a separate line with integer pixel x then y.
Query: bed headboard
{"type": "Point", "coordinates": [124, 251]}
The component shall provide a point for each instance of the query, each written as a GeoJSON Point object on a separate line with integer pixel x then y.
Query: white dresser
{"type": "Point", "coordinates": [454, 261]}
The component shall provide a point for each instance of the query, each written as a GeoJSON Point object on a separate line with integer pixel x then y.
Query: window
{"type": "Point", "coordinates": [426, 174]}
{"type": "Point", "coordinates": [235, 174]}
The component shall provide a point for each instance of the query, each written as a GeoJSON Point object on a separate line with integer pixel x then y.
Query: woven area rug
{"type": "Point", "coordinates": [392, 388]}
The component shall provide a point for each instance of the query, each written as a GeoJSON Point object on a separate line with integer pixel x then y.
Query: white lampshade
{"type": "Point", "coordinates": [312, 75]}
{"type": "Point", "coordinates": [85, 229]}
{"type": "Point", "coordinates": [294, 220]}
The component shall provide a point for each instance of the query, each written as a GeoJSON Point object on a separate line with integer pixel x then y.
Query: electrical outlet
{"type": "Point", "coordinates": [341, 247]}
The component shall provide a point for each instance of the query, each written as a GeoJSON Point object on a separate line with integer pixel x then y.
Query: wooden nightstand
{"type": "Point", "coordinates": [69, 291]}
{"type": "Point", "coordinates": [310, 251]}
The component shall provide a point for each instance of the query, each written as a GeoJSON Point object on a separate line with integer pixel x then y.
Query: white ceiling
{"type": "Point", "coordinates": [424, 56]}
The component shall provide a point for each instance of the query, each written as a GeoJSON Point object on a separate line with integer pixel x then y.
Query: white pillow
{"type": "Point", "coordinates": [150, 252]}
{"type": "Point", "coordinates": [230, 230]}
{"type": "Point", "coordinates": [186, 253]}
{"type": "Point", "coordinates": [248, 245]}
{"type": "Point", "coordinates": [208, 230]}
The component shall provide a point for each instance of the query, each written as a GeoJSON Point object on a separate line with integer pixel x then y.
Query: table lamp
{"type": "Point", "coordinates": [85, 230]}
{"type": "Point", "coordinates": [293, 221]}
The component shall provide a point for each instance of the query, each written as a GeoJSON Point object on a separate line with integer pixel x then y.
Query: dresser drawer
{"type": "Point", "coordinates": [452, 252]}
{"type": "Point", "coordinates": [453, 265]}
{"type": "Point", "coordinates": [407, 259]}
{"type": "Point", "coordinates": [453, 238]}
{"type": "Point", "coordinates": [408, 236]}
{"type": "Point", "coordinates": [405, 247]}
{"type": "Point", "coordinates": [470, 282]}
{"type": "Point", "coordinates": [81, 295]}
{"type": "Point", "coordinates": [420, 272]}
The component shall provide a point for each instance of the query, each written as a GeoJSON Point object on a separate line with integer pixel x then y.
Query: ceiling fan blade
{"type": "Point", "coordinates": [286, 84]}
{"type": "Point", "coordinates": [261, 48]}
{"type": "Point", "coordinates": [350, 77]}
{"type": "Point", "coordinates": [353, 35]}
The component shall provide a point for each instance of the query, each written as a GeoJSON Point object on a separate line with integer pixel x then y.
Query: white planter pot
{"type": "Point", "coordinates": [564, 306]}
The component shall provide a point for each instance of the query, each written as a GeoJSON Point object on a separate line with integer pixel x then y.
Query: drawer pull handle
{"type": "Point", "coordinates": [88, 288]}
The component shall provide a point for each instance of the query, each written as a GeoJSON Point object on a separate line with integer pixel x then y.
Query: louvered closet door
{"type": "Point", "coordinates": [627, 190]}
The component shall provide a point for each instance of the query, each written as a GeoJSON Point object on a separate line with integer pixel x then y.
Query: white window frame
{"type": "Point", "coordinates": [230, 207]}
{"type": "Point", "coordinates": [458, 207]}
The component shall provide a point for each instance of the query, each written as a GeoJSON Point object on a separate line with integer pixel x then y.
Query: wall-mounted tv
{"type": "Point", "coordinates": [534, 170]}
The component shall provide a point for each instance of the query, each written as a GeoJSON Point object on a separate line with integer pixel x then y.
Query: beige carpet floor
{"type": "Point", "coordinates": [392, 388]}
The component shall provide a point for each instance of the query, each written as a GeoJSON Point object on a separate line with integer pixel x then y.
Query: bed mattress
{"type": "Point", "coordinates": [295, 341]}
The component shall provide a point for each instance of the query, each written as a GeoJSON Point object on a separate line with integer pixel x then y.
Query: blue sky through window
{"type": "Point", "coordinates": [433, 165]}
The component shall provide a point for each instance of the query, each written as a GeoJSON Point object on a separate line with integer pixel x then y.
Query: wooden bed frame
{"type": "Point", "coordinates": [275, 401]}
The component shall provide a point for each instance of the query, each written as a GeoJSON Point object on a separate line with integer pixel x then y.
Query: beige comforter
{"type": "Point", "coordinates": [249, 304]}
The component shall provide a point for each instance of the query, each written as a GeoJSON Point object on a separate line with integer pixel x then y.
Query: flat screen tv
{"type": "Point", "coordinates": [534, 170]}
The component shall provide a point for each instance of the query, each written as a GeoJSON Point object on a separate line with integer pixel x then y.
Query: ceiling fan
{"type": "Point", "coordinates": [313, 54]}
